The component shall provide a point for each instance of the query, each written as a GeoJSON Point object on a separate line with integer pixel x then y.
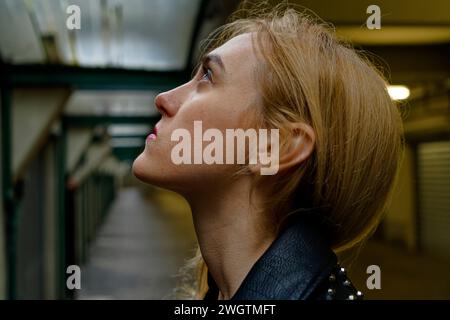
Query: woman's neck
{"type": "Point", "coordinates": [232, 233]}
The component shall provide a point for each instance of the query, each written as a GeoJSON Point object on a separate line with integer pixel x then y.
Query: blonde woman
{"type": "Point", "coordinates": [340, 141]}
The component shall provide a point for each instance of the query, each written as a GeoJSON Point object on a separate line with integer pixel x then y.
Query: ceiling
{"type": "Point", "coordinates": [132, 34]}
{"type": "Point", "coordinates": [395, 35]}
{"type": "Point", "coordinates": [111, 103]}
{"type": "Point", "coordinates": [158, 34]}
{"type": "Point", "coordinates": [164, 35]}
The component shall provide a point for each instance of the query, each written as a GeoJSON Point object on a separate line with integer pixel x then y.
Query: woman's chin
{"type": "Point", "coordinates": [139, 169]}
{"type": "Point", "coordinates": [143, 170]}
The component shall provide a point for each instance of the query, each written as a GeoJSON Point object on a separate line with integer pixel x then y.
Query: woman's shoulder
{"type": "Point", "coordinates": [298, 265]}
{"type": "Point", "coordinates": [337, 286]}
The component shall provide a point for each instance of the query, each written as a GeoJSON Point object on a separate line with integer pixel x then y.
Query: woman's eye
{"type": "Point", "coordinates": [207, 74]}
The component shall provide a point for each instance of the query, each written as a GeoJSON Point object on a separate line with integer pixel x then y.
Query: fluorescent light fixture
{"type": "Point", "coordinates": [127, 142]}
{"type": "Point", "coordinates": [398, 92]}
{"type": "Point", "coordinates": [129, 130]}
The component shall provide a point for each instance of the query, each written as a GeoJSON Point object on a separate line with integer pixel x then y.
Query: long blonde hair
{"type": "Point", "coordinates": [308, 75]}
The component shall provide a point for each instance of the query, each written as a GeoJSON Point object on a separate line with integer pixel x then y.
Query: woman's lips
{"type": "Point", "coordinates": [152, 136]}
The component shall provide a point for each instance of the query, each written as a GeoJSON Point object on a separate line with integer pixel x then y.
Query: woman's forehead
{"type": "Point", "coordinates": [237, 53]}
{"type": "Point", "coordinates": [238, 46]}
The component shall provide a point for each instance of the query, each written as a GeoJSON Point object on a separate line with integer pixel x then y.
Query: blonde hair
{"type": "Point", "coordinates": [308, 75]}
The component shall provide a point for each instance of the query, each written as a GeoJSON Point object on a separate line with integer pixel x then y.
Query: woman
{"type": "Point", "coordinates": [340, 140]}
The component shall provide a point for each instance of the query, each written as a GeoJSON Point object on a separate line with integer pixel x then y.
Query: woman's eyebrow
{"type": "Point", "coordinates": [214, 58]}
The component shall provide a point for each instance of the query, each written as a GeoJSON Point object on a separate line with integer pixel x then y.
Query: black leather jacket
{"type": "Point", "coordinates": [299, 264]}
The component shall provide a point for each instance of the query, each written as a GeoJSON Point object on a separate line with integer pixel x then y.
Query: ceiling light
{"type": "Point", "coordinates": [398, 92]}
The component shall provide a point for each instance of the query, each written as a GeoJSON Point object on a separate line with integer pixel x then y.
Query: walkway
{"type": "Point", "coordinates": [137, 251]}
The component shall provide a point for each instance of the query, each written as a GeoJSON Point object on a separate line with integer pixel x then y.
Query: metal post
{"type": "Point", "coordinates": [61, 224]}
{"type": "Point", "coordinates": [8, 191]}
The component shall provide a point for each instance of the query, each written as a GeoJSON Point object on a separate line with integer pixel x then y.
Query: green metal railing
{"type": "Point", "coordinates": [97, 192]}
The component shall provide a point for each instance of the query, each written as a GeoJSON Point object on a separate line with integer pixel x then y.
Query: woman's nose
{"type": "Point", "coordinates": [167, 103]}
{"type": "Point", "coordinates": [161, 103]}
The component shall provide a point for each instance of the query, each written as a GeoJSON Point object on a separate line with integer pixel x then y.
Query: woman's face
{"type": "Point", "coordinates": [222, 95]}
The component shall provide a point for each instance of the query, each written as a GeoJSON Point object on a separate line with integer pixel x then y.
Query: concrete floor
{"type": "Point", "coordinates": [148, 235]}
{"type": "Point", "coordinates": [137, 251]}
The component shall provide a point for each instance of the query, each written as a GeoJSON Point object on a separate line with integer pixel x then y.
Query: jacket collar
{"type": "Point", "coordinates": [291, 268]}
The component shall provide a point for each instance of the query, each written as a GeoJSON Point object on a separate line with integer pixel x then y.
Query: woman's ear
{"type": "Point", "coordinates": [301, 146]}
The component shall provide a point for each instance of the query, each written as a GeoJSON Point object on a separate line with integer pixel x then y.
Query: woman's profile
{"type": "Point", "coordinates": [339, 146]}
